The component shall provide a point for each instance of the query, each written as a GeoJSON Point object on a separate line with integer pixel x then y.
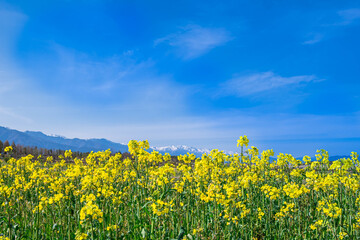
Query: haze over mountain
{"type": "Point", "coordinates": [41, 140]}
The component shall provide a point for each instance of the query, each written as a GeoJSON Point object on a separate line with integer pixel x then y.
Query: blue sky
{"type": "Point", "coordinates": [197, 73]}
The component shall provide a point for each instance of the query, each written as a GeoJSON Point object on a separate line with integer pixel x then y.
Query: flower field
{"type": "Point", "coordinates": [148, 196]}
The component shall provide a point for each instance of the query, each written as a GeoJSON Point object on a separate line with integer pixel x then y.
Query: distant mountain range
{"type": "Point", "coordinates": [41, 140]}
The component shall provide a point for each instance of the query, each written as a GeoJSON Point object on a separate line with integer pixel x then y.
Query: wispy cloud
{"type": "Point", "coordinates": [193, 41]}
{"type": "Point", "coordinates": [262, 82]}
{"type": "Point", "coordinates": [349, 16]}
{"type": "Point", "coordinates": [315, 38]}
{"type": "Point", "coordinates": [120, 81]}
{"type": "Point", "coordinates": [336, 20]}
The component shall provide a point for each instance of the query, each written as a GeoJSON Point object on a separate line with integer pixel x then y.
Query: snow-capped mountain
{"type": "Point", "coordinates": [181, 149]}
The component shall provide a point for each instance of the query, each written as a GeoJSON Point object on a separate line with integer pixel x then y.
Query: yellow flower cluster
{"type": "Point", "coordinates": [285, 211]}
{"type": "Point", "coordinates": [329, 209]}
{"type": "Point", "coordinates": [147, 195]}
{"type": "Point", "coordinates": [160, 207]}
{"type": "Point", "coordinates": [8, 149]}
{"type": "Point", "coordinates": [293, 190]}
{"type": "Point", "coordinates": [243, 141]}
{"type": "Point", "coordinates": [112, 227]}
{"type": "Point", "coordinates": [260, 213]}
{"type": "Point", "coordinates": [318, 224]}
{"type": "Point", "coordinates": [271, 192]}
{"type": "Point", "coordinates": [81, 236]}
{"type": "Point", "coordinates": [92, 211]}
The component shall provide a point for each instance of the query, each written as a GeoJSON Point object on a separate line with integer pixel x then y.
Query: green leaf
{"type": "Point", "coordinates": [143, 233]}
{"type": "Point", "coordinates": [54, 226]}
{"type": "Point", "coordinates": [181, 233]}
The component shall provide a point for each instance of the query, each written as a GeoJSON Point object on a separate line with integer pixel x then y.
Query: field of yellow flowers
{"type": "Point", "coordinates": [217, 196]}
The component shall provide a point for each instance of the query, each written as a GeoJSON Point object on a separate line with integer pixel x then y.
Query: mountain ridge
{"type": "Point", "coordinates": [41, 140]}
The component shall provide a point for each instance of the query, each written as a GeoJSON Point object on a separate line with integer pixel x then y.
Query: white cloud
{"type": "Point", "coordinates": [317, 37]}
{"type": "Point", "coordinates": [193, 40]}
{"type": "Point", "coordinates": [261, 82]}
{"type": "Point", "coordinates": [120, 81]}
{"type": "Point", "coordinates": [340, 19]}
{"type": "Point", "coordinates": [349, 16]}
